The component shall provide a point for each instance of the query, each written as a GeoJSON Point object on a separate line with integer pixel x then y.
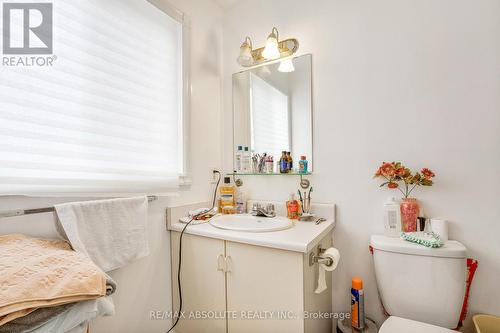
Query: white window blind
{"type": "Point", "coordinates": [107, 116]}
{"type": "Point", "coordinates": [270, 118]}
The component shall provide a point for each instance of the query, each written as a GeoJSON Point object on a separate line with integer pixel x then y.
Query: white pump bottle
{"type": "Point", "coordinates": [392, 218]}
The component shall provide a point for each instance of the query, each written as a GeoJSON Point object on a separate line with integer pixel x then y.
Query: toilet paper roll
{"type": "Point", "coordinates": [440, 227]}
{"type": "Point", "coordinates": [334, 254]}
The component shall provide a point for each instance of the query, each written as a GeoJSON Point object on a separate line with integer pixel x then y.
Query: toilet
{"type": "Point", "coordinates": [422, 289]}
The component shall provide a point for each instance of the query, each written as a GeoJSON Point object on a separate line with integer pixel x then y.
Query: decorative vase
{"type": "Point", "coordinates": [409, 213]}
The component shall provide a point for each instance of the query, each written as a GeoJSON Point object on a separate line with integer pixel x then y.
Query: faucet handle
{"type": "Point", "coordinates": [270, 208]}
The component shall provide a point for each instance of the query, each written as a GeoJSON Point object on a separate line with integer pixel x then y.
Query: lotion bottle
{"type": "Point", "coordinates": [239, 157]}
{"type": "Point", "coordinates": [246, 161]}
{"type": "Point", "coordinates": [392, 218]}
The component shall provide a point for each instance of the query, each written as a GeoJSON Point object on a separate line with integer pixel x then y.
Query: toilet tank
{"type": "Point", "coordinates": [420, 283]}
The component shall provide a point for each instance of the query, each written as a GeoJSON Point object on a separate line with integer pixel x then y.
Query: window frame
{"type": "Point", "coordinates": [185, 116]}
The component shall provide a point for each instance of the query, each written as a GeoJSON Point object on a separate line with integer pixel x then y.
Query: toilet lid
{"type": "Point", "coordinates": [398, 325]}
{"type": "Point", "coordinates": [450, 249]}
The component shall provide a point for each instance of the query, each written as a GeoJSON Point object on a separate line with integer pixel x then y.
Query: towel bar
{"type": "Point", "coordinates": [19, 212]}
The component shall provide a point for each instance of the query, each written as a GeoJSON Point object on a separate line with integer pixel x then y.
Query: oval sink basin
{"type": "Point", "coordinates": [251, 223]}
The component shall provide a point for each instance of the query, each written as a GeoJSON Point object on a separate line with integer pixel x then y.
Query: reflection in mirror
{"type": "Point", "coordinates": [272, 112]}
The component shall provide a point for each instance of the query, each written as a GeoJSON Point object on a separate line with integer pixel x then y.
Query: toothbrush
{"type": "Point", "coordinates": [301, 201]}
{"type": "Point", "coordinates": [309, 198]}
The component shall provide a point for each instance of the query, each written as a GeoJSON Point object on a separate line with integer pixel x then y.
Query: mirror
{"type": "Point", "coordinates": [272, 112]}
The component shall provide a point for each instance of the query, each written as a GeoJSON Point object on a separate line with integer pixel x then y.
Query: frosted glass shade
{"type": "Point", "coordinates": [245, 58]}
{"type": "Point", "coordinates": [271, 51]}
{"type": "Point", "coordinates": [286, 66]}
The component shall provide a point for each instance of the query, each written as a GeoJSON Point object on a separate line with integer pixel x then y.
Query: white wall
{"type": "Point", "coordinates": [416, 81]}
{"type": "Point", "coordinates": [300, 92]}
{"type": "Point", "coordinates": [145, 285]}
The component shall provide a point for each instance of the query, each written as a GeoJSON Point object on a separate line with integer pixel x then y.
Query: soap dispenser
{"type": "Point", "coordinates": [293, 208]}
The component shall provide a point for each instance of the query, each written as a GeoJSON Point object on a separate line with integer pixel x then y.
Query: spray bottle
{"type": "Point", "coordinates": [357, 304]}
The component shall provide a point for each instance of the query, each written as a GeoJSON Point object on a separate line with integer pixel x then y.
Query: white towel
{"type": "Point", "coordinates": [111, 232]}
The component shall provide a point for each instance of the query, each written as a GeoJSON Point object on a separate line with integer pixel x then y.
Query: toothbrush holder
{"type": "Point", "coordinates": [307, 205]}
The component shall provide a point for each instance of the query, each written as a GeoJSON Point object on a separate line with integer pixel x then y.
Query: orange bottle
{"type": "Point", "coordinates": [357, 304]}
{"type": "Point", "coordinates": [293, 208]}
{"type": "Point", "coordinates": [227, 197]}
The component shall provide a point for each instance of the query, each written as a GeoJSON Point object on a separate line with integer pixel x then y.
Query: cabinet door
{"type": "Point", "coordinates": [203, 283]}
{"type": "Point", "coordinates": [264, 289]}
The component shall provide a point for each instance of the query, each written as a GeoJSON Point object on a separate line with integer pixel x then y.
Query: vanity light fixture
{"type": "Point", "coordinates": [246, 58]}
{"type": "Point", "coordinates": [274, 49]}
{"type": "Point", "coordinates": [271, 50]}
{"type": "Point", "coordinates": [286, 66]}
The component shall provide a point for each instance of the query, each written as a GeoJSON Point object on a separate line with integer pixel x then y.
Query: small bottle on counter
{"type": "Point", "coordinates": [289, 161]}
{"type": "Point", "coordinates": [421, 220]}
{"type": "Point", "coordinates": [246, 161]}
{"type": "Point", "coordinates": [269, 164]}
{"type": "Point", "coordinates": [283, 162]}
{"type": "Point", "coordinates": [293, 208]}
{"type": "Point", "coordinates": [241, 206]}
{"type": "Point", "coordinates": [238, 158]}
{"type": "Point", "coordinates": [303, 164]}
{"type": "Point", "coordinates": [227, 197]}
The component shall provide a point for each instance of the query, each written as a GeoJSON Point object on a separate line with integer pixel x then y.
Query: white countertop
{"type": "Point", "coordinates": [301, 237]}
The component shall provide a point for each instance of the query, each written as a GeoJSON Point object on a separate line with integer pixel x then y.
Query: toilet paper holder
{"type": "Point", "coordinates": [318, 258]}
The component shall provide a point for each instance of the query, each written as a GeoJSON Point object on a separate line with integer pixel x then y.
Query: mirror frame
{"type": "Point", "coordinates": [247, 69]}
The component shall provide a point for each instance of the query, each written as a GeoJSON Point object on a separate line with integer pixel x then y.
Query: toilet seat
{"type": "Point", "coordinates": [398, 325]}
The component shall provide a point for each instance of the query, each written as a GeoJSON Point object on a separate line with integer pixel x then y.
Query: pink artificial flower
{"type": "Point", "coordinates": [392, 185]}
{"type": "Point", "coordinates": [387, 169]}
{"type": "Point", "coordinates": [427, 173]}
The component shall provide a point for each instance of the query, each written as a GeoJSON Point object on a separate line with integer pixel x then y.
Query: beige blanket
{"type": "Point", "coordinates": [37, 273]}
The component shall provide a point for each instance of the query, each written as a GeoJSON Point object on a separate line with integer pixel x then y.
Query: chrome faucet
{"type": "Point", "coordinates": [259, 210]}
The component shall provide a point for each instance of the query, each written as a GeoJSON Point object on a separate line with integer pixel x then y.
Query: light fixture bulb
{"type": "Point", "coordinates": [286, 66]}
{"type": "Point", "coordinates": [272, 51]}
{"type": "Point", "coordinates": [245, 58]}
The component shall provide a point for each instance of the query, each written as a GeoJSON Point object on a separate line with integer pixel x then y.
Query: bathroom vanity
{"type": "Point", "coordinates": [234, 281]}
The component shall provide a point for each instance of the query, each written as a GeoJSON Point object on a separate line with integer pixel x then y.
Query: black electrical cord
{"type": "Point", "coordinates": [180, 251]}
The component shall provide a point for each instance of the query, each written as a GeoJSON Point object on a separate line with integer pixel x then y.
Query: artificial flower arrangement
{"type": "Point", "coordinates": [394, 173]}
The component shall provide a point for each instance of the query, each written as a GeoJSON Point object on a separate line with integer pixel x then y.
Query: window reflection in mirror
{"type": "Point", "coordinates": [273, 111]}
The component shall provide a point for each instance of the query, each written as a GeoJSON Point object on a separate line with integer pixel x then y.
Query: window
{"type": "Point", "coordinates": [270, 118]}
{"type": "Point", "coordinates": [107, 115]}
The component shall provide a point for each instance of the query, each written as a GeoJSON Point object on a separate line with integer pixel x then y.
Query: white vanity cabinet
{"type": "Point", "coordinates": [259, 289]}
{"type": "Point", "coordinates": [203, 283]}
